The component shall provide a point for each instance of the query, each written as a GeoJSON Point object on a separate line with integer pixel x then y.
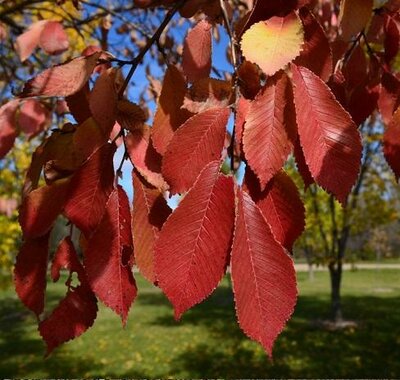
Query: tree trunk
{"type": "Point", "coordinates": [310, 272]}
{"type": "Point", "coordinates": [335, 271]}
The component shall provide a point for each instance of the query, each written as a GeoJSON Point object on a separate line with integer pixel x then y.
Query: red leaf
{"type": "Point", "coordinates": [391, 144]}
{"type": "Point", "coordinates": [27, 42]}
{"type": "Point", "coordinates": [150, 211]}
{"type": "Point", "coordinates": [90, 189]}
{"type": "Point", "coordinates": [66, 257]}
{"type": "Point", "coordinates": [88, 138]}
{"type": "Point", "coordinates": [8, 131]}
{"type": "Point", "coordinates": [389, 97]}
{"type": "Point", "coordinates": [62, 80]}
{"type": "Point", "coordinates": [53, 38]}
{"type": "Point", "coordinates": [316, 53]}
{"type": "Point", "coordinates": [30, 273]}
{"type": "Point", "coordinates": [108, 254]}
{"type": "Point", "coordinates": [270, 129]}
{"type": "Point", "coordinates": [145, 158]}
{"type": "Point", "coordinates": [33, 117]}
{"type": "Point", "coordinates": [192, 249]}
{"type": "Point", "coordinates": [70, 319]}
{"type": "Point", "coordinates": [78, 104]}
{"type": "Point", "coordinates": [41, 207]}
{"type": "Point", "coordinates": [280, 205]}
{"type": "Point", "coordinates": [329, 138]}
{"type": "Point", "coordinates": [103, 100]}
{"type": "Point", "coordinates": [169, 115]}
{"type": "Point", "coordinates": [197, 52]}
{"type": "Point", "coordinates": [263, 276]}
{"type": "Point", "coordinates": [77, 311]}
{"type": "Point", "coordinates": [196, 143]}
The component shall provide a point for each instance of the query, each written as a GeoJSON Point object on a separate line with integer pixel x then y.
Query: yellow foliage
{"type": "Point", "coordinates": [13, 169]}
{"type": "Point", "coordinates": [10, 235]}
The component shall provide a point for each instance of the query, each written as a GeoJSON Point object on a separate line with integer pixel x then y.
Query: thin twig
{"type": "Point", "coordinates": [138, 59]}
{"type": "Point", "coordinates": [232, 38]}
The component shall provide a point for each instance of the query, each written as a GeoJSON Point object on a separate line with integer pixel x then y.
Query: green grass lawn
{"type": "Point", "coordinates": [207, 342]}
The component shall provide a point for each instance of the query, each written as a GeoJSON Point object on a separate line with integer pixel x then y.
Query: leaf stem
{"type": "Point", "coordinates": [234, 53]}
{"type": "Point", "coordinates": [156, 36]}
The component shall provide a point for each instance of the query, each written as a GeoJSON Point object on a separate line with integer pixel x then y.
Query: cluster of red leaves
{"type": "Point", "coordinates": [304, 108]}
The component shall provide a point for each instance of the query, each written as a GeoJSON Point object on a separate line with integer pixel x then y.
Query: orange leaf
{"type": "Point", "coordinates": [273, 43]}
{"type": "Point", "coordinates": [354, 16]}
{"type": "Point", "coordinates": [169, 116]}
{"type": "Point", "coordinates": [62, 80]}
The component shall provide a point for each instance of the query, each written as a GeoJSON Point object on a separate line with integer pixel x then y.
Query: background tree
{"type": "Point", "coordinates": [301, 70]}
{"type": "Point", "coordinates": [372, 204]}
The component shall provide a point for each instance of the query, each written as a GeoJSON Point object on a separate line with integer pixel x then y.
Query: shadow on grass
{"type": "Point", "coordinates": [22, 352]}
{"type": "Point", "coordinates": [303, 350]}
{"type": "Point", "coordinates": [371, 350]}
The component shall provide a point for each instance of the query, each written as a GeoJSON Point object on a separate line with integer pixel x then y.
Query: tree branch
{"type": "Point", "coordinates": [138, 59]}
{"type": "Point", "coordinates": [232, 38]}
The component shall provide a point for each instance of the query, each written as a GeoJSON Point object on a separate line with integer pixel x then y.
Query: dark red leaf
{"type": "Point", "coordinates": [392, 39]}
{"type": "Point", "coordinates": [62, 80]}
{"type": "Point", "coordinates": [108, 254]}
{"type": "Point", "coordinates": [103, 100]}
{"type": "Point", "coordinates": [130, 116]}
{"type": "Point", "coordinates": [66, 257]}
{"type": "Point", "coordinates": [41, 207]}
{"type": "Point", "coordinates": [77, 311]}
{"type": "Point", "coordinates": [196, 143]}
{"type": "Point", "coordinates": [263, 276]}
{"type": "Point", "coordinates": [270, 129]}
{"type": "Point", "coordinates": [169, 116]}
{"type": "Point", "coordinates": [8, 130]}
{"type": "Point", "coordinates": [280, 205]}
{"type": "Point", "coordinates": [78, 104]}
{"type": "Point", "coordinates": [30, 273]}
{"type": "Point", "coordinates": [316, 53]}
{"type": "Point", "coordinates": [355, 71]}
{"type": "Point", "coordinates": [145, 158]}
{"type": "Point", "coordinates": [197, 52]}
{"type": "Point", "coordinates": [150, 211]}
{"type": "Point", "coordinates": [330, 140]}
{"type": "Point", "coordinates": [362, 103]}
{"type": "Point", "coordinates": [302, 165]}
{"type": "Point", "coordinates": [192, 249]}
{"type": "Point", "coordinates": [389, 97]}
{"type": "Point", "coordinates": [391, 144]}
{"type": "Point", "coordinates": [90, 189]}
